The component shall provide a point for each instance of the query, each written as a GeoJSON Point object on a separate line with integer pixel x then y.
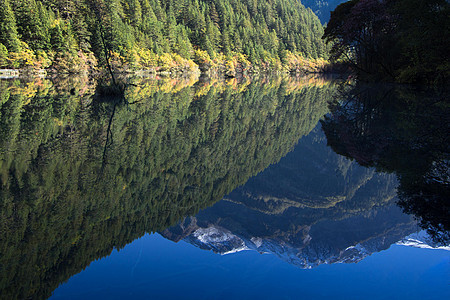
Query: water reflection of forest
{"type": "Point", "coordinates": [402, 130]}
{"type": "Point", "coordinates": [83, 174]}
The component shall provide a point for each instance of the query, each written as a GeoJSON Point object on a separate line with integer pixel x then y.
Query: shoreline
{"type": "Point", "coordinates": [172, 65]}
{"type": "Point", "coordinates": [44, 73]}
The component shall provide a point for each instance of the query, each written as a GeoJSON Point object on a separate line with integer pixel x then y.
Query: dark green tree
{"type": "Point", "coordinates": [8, 29]}
{"type": "Point", "coordinates": [32, 23]}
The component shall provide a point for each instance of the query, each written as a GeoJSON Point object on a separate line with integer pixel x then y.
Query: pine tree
{"type": "Point", "coordinates": [8, 29]}
{"type": "Point", "coordinates": [170, 29]}
{"type": "Point", "coordinates": [30, 24]}
{"type": "Point", "coordinates": [145, 7]}
{"type": "Point", "coordinates": [183, 46]}
{"type": "Point", "coordinates": [135, 13]}
{"type": "Point", "coordinates": [57, 39]}
{"type": "Point", "coordinates": [3, 56]}
{"type": "Point", "coordinates": [81, 27]}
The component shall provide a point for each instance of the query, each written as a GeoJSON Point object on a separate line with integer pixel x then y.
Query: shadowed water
{"type": "Point", "coordinates": [226, 166]}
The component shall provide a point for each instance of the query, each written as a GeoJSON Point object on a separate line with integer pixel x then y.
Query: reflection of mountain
{"type": "Point", "coordinates": [314, 178]}
{"type": "Point", "coordinates": [421, 239]}
{"type": "Point", "coordinates": [313, 207]}
{"type": "Point", "coordinates": [326, 242]}
{"type": "Point", "coordinates": [80, 176]}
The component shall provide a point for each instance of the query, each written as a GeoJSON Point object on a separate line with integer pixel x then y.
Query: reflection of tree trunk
{"type": "Point", "coordinates": [109, 138]}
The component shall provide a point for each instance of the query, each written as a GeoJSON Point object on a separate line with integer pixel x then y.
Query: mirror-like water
{"type": "Point", "coordinates": [225, 166]}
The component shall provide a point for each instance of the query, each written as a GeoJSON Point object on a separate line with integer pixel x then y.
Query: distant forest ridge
{"type": "Point", "coordinates": [73, 36]}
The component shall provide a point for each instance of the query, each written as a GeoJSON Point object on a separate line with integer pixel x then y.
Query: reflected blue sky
{"type": "Point", "coordinates": [155, 268]}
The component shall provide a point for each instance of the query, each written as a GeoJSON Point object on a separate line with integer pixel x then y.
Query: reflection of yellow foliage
{"type": "Point", "coordinates": [147, 87]}
{"type": "Point", "coordinates": [28, 91]}
{"type": "Point", "coordinates": [83, 88]}
{"type": "Point", "coordinates": [294, 84]}
{"type": "Point", "coordinates": [43, 87]}
{"type": "Point", "coordinates": [204, 87]}
{"type": "Point", "coordinates": [243, 86]}
{"type": "Point", "coordinates": [58, 122]}
{"type": "Point", "coordinates": [231, 82]}
{"type": "Point", "coordinates": [76, 239]}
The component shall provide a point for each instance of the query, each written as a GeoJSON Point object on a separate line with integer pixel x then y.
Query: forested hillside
{"type": "Point", "coordinates": [236, 35]}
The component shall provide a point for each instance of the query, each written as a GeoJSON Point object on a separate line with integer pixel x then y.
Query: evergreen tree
{"type": "Point", "coordinates": [8, 29]}
{"type": "Point", "coordinates": [57, 39]}
{"type": "Point", "coordinates": [31, 24]}
{"type": "Point", "coordinates": [3, 56]}
{"type": "Point", "coordinates": [134, 13]}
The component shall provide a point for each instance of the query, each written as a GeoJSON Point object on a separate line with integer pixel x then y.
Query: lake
{"type": "Point", "coordinates": [200, 188]}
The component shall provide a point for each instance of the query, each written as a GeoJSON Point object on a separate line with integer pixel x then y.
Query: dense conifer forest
{"type": "Point", "coordinates": [72, 36]}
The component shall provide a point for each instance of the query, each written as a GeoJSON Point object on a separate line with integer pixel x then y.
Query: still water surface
{"type": "Point", "coordinates": [215, 190]}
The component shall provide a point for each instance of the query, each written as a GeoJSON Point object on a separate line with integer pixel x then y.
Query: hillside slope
{"type": "Point", "coordinates": [76, 35]}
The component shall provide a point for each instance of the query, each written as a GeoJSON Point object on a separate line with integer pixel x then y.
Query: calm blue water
{"type": "Point", "coordinates": [155, 268]}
